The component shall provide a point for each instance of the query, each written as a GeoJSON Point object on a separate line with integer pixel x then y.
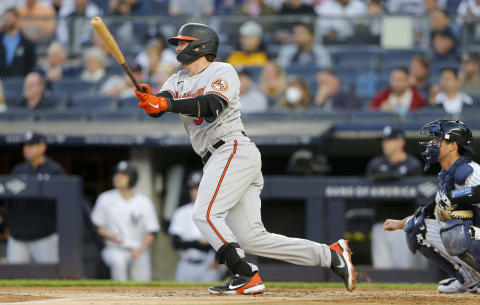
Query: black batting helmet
{"type": "Point", "coordinates": [200, 36]}
{"type": "Point", "coordinates": [127, 168]}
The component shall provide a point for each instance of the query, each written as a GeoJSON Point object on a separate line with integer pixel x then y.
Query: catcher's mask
{"type": "Point", "coordinates": [439, 130]}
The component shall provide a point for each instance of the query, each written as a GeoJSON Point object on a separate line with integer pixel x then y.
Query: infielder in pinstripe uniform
{"type": "Point", "coordinates": [227, 210]}
{"type": "Point", "coordinates": [446, 231]}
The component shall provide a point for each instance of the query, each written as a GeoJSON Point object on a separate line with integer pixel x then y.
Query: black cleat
{"type": "Point", "coordinates": [240, 284]}
{"type": "Point", "coordinates": [342, 265]}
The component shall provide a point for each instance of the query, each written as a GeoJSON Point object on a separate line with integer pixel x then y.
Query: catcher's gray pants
{"type": "Point", "coordinates": [433, 238]}
{"type": "Point", "coordinates": [228, 205]}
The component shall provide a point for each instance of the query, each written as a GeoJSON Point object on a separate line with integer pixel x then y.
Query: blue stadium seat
{"type": "Point", "coordinates": [114, 116]}
{"type": "Point", "coordinates": [437, 65]}
{"type": "Point", "coordinates": [17, 114]}
{"type": "Point", "coordinates": [93, 102]}
{"type": "Point", "coordinates": [72, 87]}
{"type": "Point", "coordinates": [130, 103]}
{"type": "Point", "coordinates": [62, 115]}
{"type": "Point", "coordinates": [366, 85]}
{"type": "Point", "coordinates": [13, 87]}
{"type": "Point", "coordinates": [303, 72]}
{"type": "Point", "coordinates": [401, 55]}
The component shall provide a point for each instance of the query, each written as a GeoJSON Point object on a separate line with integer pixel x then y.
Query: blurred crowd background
{"type": "Point", "coordinates": [343, 56]}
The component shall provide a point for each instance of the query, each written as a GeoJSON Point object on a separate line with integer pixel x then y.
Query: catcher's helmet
{"type": "Point", "coordinates": [200, 36]}
{"type": "Point", "coordinates": [127, 168]}
{"type": "Point", "coordinates": [450, 130]}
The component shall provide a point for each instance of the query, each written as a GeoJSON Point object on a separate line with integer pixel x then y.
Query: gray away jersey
{"type": "Point", "coordinates": [218, 78]}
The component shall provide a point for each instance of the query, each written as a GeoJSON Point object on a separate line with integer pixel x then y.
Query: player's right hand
{"type": "Point", "coordinates": [150, 103]}
{"type": "Point", "coordinates": [393, 224]}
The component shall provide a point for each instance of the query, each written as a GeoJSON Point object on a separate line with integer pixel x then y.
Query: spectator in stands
{"type": "Point", "coordinates": [470, 74]}
{"type": "Point", "coordinates": [297, 95]}
{"type": "Point", "coordinates": [34, 94]}
{"type": "Point", "coordinates": [419, 75]}
{"type": "Point", "coordinates": [7, 4]}
{"type": "Point", "coordinates": [252, 98]}
{"type": "Point", "coordinates": [17, 52]}
{"type": "Point", "coordinates": [94, 62]}
{"type": "Point", "coordinates": [405, 7]}
{"type": "Point", "coordinates": [161, 75]}
{"type": "Point", "coordinates": [273, 82]}
{"type": "Point", "coordinates": [444, 46]}
{"type": "Point", "coordinates": [191, 8]}
{"type": "Point", "coordinates": [469, 12]}
{"type": "Point", "coordinates": [3, 105]}
{"type": "Point", "coordinates": [156, 56]}
{"type": "Point", "coordinates": [228, 7]}
{"type": "Point", "coordinates": [399, 98]}
{"type": "Point", "coordinates": [367, 31]}
{"type": "Point", "coordinates": [74, 17]}
{"type": "Point", "coordinates": [38, 20]}
{"type": "Point", "coordinates": [126, 31]}
{"type": "Point", "coordinates": [304, 52]}
{"type": "Point", "coordinates": [451, 98]}
{"type": "Point", "coordinates": [126, 7]}
{"type": "Point", "coordinates": [334, 23]}
{"type": "Point", "coordinates": [57, 5]}
{"type": "Point", "coordinates": [296, 7]}
{"type": "Point", "coordinates": [330, 95]}
{"type": "Point", "coordinates": [251, 51]}
{"type": "Point", "coordinates": [122, 86]}
{"type": "Point", "coordinates": [32, 222]}
{"type": "Point", "coordinates": [430, 5]}
{"type": "Point", "coordinates": [394, 164]}
{"type": "Point", "coordinates": [440, 20]}
{"type": "Point", "coordinates": [255, 8]}
{"type": "Point", "coordinates": [56, 67]}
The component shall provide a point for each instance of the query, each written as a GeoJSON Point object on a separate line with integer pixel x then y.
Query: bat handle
{"type": "Point", "coordinates": [132, 77]}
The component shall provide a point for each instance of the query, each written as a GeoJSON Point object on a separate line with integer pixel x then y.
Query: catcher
{"type": "Point", "coordinates": [447, 230]}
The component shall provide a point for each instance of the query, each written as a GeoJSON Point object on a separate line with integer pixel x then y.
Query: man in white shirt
{"type": "Point", "coordinates": [253, 99]}
{"type": "Point", "coordinates": [336, 21]}
{"type": "Point", "coordinates": [197, 258]}
{"type": "Point", "coordinates": [450, 98]}
{"type": "Point", "coordinates": [128, 223]}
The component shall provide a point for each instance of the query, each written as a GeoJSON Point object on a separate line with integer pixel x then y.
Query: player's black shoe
{"type": "Point", "coordinates": [342, 265]}
{"type": "Point", "coordinates": [240, 284]}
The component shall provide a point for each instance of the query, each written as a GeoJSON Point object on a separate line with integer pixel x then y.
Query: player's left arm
{"type": "Point", "coordinates": [465, 196]}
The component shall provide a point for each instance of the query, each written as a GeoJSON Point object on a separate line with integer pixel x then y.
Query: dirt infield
{"type": "Point", "coordinates": [199, 295]}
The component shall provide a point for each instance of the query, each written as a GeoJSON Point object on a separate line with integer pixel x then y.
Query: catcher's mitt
{"type": "Point", "coordinates": [445, 214]}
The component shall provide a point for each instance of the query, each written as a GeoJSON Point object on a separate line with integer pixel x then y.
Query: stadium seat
{"type": "Point", "coordinates": [62, 115]}
{"type": "Point", "coordinates": [129, 103]}
{"type": "Point", "coordinates": [17, 114]}
{"type": "Point", "coordinates": [366, 85]}
{"type": "Point", "coordinates": [114, 116]}
{"type": "Point", "coordinates": [93, 102]}
{"type": "Point", "coordinates": [401, 55]}
{"type": "Point", "coordinates": [72, 87]}
{"type": "Point", "coordinates": [13, 87]}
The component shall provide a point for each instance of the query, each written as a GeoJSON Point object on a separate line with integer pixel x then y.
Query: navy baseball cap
{"type": "Point", "coordinates": [194, 179]}
{"type": "Point", "coordinates": [393, 132]}
{"type": "Point", "coordinates": [34, 138]}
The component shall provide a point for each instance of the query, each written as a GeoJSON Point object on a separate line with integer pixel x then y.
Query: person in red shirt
{"type": "Point", "coordinates": [399, 97]}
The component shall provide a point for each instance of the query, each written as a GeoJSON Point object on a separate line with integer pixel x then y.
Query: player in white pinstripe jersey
{"type": "Point", "coordinates": [449, 241]}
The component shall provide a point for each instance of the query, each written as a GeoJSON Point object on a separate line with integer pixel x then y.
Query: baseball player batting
{"type": "Point", "coordinates": [227, 209]}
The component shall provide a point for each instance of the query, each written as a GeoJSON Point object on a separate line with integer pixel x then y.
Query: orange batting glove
{"type": "Point", "coordinates": [150, 103]}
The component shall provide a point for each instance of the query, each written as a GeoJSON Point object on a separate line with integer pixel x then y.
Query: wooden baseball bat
{"type": "Point", "coordinates": [112, 46]}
